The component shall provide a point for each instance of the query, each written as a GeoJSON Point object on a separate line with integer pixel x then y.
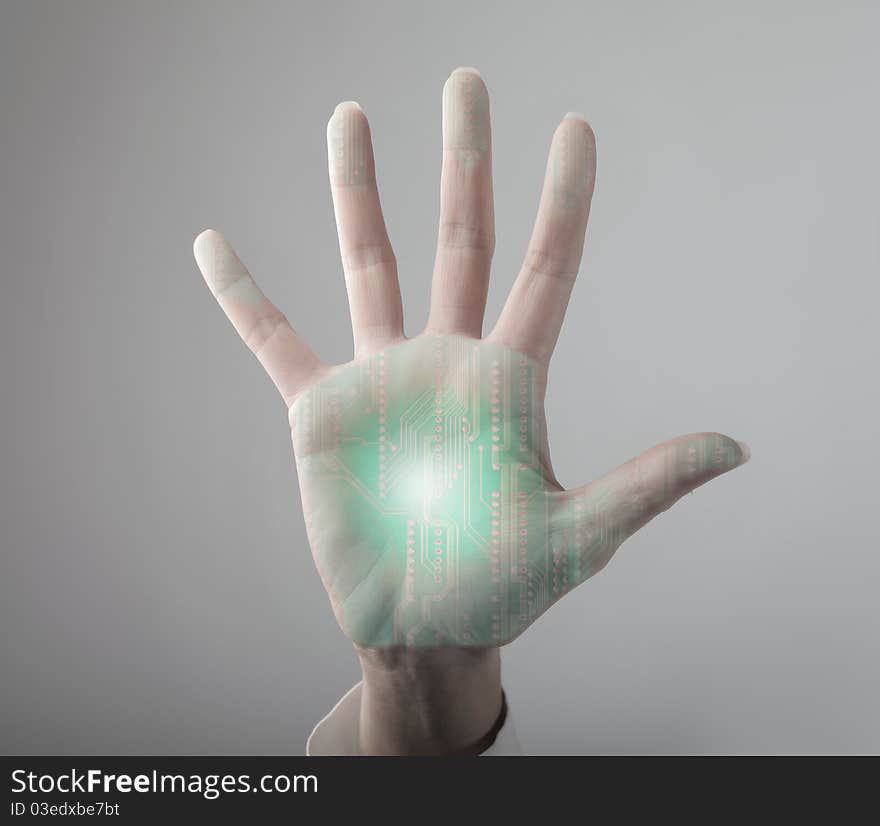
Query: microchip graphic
{"type": "Point", "coordinates": [422, 471]}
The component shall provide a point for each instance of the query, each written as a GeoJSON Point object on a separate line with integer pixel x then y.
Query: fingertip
{"type": "Point", "coordinates": [348, 104]}
{"type": "Point", "coordinates": [348, 122]}
{"type": "Point", "coordinates": [349, 145]}
{"type": "Point", "coordinates": [203, 245]}
{"type": "Point", "coordinates": [347, 115]}
{"type": "Point", "coordinates": [714, 452]}
{"type": "Point", "coordinates": [466, 112]}
{"type": "Point", "coordinates": [217, 261]}
{"type": "Point", "coordinates": [206, 235]}
{"type": "Point", "coordinates": [466, 77]}
{"type": "Point", "coordinates": [579, 122]}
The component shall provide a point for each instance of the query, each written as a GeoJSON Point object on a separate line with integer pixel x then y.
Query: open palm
{"type": "Point", "coordinates": [430, 503]}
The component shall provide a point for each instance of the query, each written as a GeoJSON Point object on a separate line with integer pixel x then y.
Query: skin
{"type": "Point", "coordinates": [429, 645]}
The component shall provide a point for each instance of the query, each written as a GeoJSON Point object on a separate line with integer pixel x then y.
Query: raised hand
{"type": "Point", "coordinates": [431, 508]}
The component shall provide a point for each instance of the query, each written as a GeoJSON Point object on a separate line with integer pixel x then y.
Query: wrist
{"type": "Point", "coordinates": [434, 701]}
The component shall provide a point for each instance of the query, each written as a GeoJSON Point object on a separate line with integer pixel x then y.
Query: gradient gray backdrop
{"type": "Point", "coordinates": [157, 592]}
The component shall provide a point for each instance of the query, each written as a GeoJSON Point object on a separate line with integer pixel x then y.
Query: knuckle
{"type": "Point", "coordinates": [365, 256]}
{"type": "Point", "coordinates": [263, 331]}
{"type": "Point", "coordinates": [544, 262]}
{"type": "Point", "coordinates": [464, 235]}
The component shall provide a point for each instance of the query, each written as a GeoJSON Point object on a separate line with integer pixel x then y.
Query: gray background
{"type": "Point", "coordinates": [157, 592]}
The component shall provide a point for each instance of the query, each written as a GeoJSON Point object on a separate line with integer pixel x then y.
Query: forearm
{"type": "Point", "coordinates": [428, 701]}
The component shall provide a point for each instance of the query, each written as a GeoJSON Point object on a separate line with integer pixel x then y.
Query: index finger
{"type": "Point", "coordinates": [532, 317]}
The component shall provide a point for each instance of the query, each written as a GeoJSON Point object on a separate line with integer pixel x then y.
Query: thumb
{"type": "Point", "coordinates": [589, 523]}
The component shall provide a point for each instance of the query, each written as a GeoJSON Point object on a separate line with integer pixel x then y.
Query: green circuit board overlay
{"type": "Point", "coordinates": [421, 468]}
{"type": "Point", "coordinates": [431, 511]}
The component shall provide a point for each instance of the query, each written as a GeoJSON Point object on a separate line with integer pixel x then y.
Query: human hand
{"type": "Point", "coordinates": [431, 506]}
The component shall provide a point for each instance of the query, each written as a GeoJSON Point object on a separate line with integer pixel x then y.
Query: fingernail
{"type": "Point", "coordinates": [746, 453]}
{"type": "Point", "coordinates": [575, 115]}
{"type": "Point", "coordinates": [469, 69]}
